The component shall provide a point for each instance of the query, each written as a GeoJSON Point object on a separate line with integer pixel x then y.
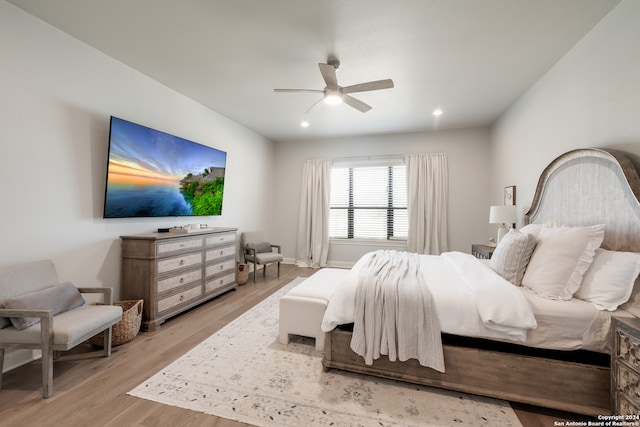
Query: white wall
{"type": "Point", "coordinates": [469, 172]}
{"type": "Point", "coordinates": [590, 98]}
{"type": "Point", "coordinates": [56, 97]}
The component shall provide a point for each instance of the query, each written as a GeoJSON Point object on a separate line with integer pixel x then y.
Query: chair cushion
{"type": "Point", "coordinates": [58, 298]}
{"type": "Point", "coordinates": [265, 258]}
{"type": "Point", "coordinates": [260, 247]}
{"type": "Point", "coordinates": [69, 328]}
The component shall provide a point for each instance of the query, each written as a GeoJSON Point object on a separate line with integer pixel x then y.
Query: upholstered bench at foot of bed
{"type": "Point", "coordinates": [303, 307]}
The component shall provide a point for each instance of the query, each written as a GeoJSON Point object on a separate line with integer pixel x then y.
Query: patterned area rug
{"type": "Point", "coordinates": [242, 373]}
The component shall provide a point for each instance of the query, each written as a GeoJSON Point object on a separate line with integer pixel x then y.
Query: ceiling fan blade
{"type": "Point", "coordinates": [356, 103]}
{"type": "Point", "coordinates": [329, 75]}
{"type": "Point", "coordinates": [299, 90]}
{"type": "Point", "coordinates": [363, 87]}
{"type": "Point", "coordinates": [314, 104]}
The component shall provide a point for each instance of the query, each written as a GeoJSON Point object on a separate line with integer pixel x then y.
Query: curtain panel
{"type": "Point", "coordinates": [312, 249]}
{"type": "Point", "coordinates": [427, 203]}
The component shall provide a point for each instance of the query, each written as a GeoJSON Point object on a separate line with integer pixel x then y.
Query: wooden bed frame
{"type": "Point", "coordinates": [581, 187]}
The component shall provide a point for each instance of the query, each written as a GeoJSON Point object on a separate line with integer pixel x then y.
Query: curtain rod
{"type": "Point", "coordinates": [379, 157]}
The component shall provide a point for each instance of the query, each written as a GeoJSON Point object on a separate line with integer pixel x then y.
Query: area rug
{"type": "Point", "coordinates": [242, 373]}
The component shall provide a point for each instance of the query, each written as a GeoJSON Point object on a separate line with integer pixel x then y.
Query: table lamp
{"type": "Point", "coordinates": [504, 215]}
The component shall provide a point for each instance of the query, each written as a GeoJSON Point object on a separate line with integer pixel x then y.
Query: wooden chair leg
{"type": "Point", "coordinates": [1, 365]}
{"type": "Point", "coordinates": [46, 341]}
{"type": "Point", "coordinates": [107, 341]}
{"type": "Point", "coordinates": [255, 271]}
{"type": "Point", "coordinates": [278, 268]}
{"type": "Point", "coordinates": [47, 373]}
{"type": "Point", "coordinates": [264, 270]}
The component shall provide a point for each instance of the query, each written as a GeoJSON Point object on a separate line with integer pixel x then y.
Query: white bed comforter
{"type": "Point", "coordinates": [470, 299]}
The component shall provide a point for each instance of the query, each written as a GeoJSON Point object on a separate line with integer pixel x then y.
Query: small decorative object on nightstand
{"type": "Point", "coordinates": [625, 367]}
{"type": "Point", "coordinates": [482, 251]}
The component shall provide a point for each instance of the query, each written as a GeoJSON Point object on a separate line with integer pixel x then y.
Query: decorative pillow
{"type": "Point", "coordinates": [560, 259]}
{"type": "Point", "coordinates": [59, 298]}
{"type": "Point", "coordinates": [260, 247]}
{"type": "Point", "coordinates": [609, 280]}
{"type": "Point", "coordinates": [512, 255]}
{"type": "Point", "coordinates": [533, 229]}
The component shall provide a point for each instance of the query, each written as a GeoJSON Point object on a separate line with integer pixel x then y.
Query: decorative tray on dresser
{"type": "Point", "coordinates": [173, 272]}
{"type": "Point", "coordinates": [625, 372]}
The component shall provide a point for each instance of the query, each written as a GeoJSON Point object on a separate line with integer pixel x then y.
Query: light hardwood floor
{"type": "Point", "coordinates": [90, 390]}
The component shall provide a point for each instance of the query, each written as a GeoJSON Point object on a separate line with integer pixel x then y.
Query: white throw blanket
{"type": "Point", "coordinates": [395, 314]}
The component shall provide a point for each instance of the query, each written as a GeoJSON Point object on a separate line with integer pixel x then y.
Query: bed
{"type": "Point", "coordinates": [563, 362]}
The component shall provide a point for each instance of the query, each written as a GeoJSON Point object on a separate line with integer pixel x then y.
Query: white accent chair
{"type": "Point", "coordinates": [53, 332]}
{"type": "Point", "coordinates": [259, 252]}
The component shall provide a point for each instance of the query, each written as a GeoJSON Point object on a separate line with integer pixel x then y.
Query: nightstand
{"type": "Point", "coordinates": [482, 251]}
{"type": "Point", "coordinates": [625, 367]}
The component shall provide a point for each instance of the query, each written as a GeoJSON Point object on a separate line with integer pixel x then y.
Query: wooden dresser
{"type": "Point", "coordinates": [174, 272]}
{"type": "Point", "coordinates": [625, 369]}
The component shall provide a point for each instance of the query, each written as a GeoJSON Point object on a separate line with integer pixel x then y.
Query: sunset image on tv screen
{"type": "Point", "coordinates": [154, 174]}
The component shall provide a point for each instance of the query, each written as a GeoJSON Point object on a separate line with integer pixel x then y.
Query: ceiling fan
{"type": "Point", "coordinates": [334, 94]}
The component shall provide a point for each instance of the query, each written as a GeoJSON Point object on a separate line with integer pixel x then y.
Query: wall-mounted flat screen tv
{"type": "Point", "coordinates": [154, 174]}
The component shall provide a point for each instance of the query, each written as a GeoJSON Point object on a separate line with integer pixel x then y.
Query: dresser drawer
{"type": "Point", "coordinates": [628, 348]}
{"type": "Point", "coordinates": [179, 245]}
{"type": "Point", "coordinates": [170, 264]}
{"type": "Point", "coordinates": [627, 382]}
{"type": "Point", "coordinates": [219, 282]}
{"type": "Point", "coordinates": [625, 407]}
{"type": "Point", "coordinates": [220, 239]}
{"type": "Point", "coordinates": [173, 282]}
{"type": "Point", "coordinates": [169, 302]}
{"type": "Point", "coordinates": [213, 254]}
{"type": "Point", "coordinates": [220, 267]}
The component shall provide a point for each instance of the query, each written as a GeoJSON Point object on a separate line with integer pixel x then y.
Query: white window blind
{"type": "Point", "coordinates": [369, 202]}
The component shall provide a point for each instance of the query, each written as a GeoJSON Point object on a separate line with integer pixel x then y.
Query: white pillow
{"type": "Point", "coordinates": [561, 257]}
{"type": "Point", "coordinates": [533, 229]}
{"type": "Point", "coordinates": [512, 255]}
{"type": "Point", "coordinates": [609, 280]}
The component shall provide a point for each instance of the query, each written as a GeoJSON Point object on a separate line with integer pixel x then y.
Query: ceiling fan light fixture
{"type": "Point", "coordinates": [334, 94]}
{"type": "Point", "coordinates": [333, 99]}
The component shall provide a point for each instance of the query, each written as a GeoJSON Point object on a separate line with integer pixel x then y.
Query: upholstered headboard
{"type": "Point", "coordinates": [592, 186]}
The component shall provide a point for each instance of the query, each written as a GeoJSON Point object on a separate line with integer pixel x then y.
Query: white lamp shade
{"type": "Point", "coordinates": [502, 214]}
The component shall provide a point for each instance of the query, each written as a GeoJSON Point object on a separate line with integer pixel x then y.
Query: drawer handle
{"type": "Point", "coordinates": [221, 281]}
{"type": "Point", "coordinates": [181, 298]}
{"type": "Point", "coordinates": [181, 245]}
{"type": "Point", "coordinates": [221, 267]}
{"type": "Point", "coordinates": [181, 262]}
{"type": "Point", "coordinates": [182, 280]}
{"type": "Point", "coordinates": [221, 252]}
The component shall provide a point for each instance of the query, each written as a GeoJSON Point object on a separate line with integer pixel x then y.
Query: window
{"type": "Point", "coordinates": [369, 201]}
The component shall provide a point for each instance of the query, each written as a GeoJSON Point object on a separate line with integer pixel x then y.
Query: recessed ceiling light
{"type": "Point", "coordinates": [304, 124]}
{"type": "Point", "coordinates": [437, 112]}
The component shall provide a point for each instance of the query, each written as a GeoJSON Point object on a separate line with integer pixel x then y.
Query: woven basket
{"type": "Point", "coordinates": [127, 328]}
{"type": "Point", "coordinates": [242, 273]}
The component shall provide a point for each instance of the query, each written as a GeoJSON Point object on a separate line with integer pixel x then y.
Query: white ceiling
{"type": "Point", "coordinates": [472, 58]}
